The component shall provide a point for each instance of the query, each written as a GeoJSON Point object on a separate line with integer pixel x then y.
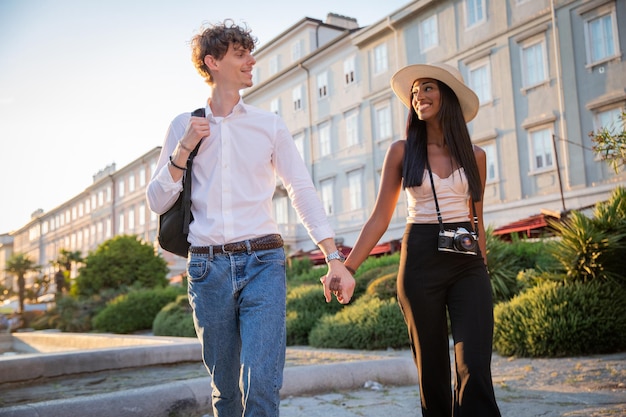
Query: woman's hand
{"type": "Point", "coordinates": [338, 282]}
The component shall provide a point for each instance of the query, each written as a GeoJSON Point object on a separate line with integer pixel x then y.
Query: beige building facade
{"type": "Point", "coordinates": [547, 72]}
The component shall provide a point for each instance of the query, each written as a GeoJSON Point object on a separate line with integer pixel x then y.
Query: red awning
{"type": "Point", "coordinates": [317, 257]}
{"type": "Point", "coordinates": [381, 249]}
{"type": "Point", "coordinates": [530, 226]}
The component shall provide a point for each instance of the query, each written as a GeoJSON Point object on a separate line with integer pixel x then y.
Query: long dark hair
{"type": "Point", "coordinates": [455, 136]}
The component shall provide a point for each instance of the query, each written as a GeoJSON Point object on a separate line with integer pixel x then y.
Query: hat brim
{"type": "Point", "coordinates": [402, 82]}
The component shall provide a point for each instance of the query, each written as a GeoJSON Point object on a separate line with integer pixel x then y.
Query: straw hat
{"type": "Point", "coordinates": [402, 82]}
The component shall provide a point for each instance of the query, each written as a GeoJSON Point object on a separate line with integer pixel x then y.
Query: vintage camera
{"type": "Point", "coordinates": [459, 240]}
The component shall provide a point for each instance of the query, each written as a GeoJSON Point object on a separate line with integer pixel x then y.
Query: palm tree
{"type": "Point", "coordinates": [64, 263]}
{"type": "Point", "coordinates": [20, 264]}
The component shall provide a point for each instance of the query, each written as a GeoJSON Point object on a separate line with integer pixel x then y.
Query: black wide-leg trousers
{"type": "Point", "coordinates": [432, 283]}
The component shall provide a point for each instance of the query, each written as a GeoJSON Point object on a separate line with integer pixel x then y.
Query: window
{"type": "Point", "coordinates": [326, 190]}
{"type": "Point", "coordinates": [542, 149]}
{"type": "Point", "coordinates": [429, 36]}
{"type": "Point", "coordinates": [490, 151]}
{"type": "Point", "coordinates": [324, 133]}
{"type": "Point", "coordinates": [352, 128]}
{"type": "Point", "coordinates": [322, 85]}
{"type": "Point", "coordinates": [274, 64]}
{"type": "Point", "coordinates": [131, 219]}
{"type": "Point", "coordinates": [120, 188]}
{"type": "Point", "coordinates": [355, 188]}
{"type": "Point", "coordinates": [131, 182]}
{"type": "Point", "coordinates": [142, 176]}
{"type": "Point", "coordinates": [534, 64]}
{"type": "Point", "coordinates": [120, 224]}
{"type": "Point", "coordinates": [601, 37]}
{"type": "Point", "coordinates": [275, 106]}
{"type": "Point", "coordinates": [297, 50]}
{"type": "Point", "coordinates": [296, 95]}
{"type": "Point", "coordinates": [381, 61]}
{"type": "Point", "coordinates": [349, 70]}
{"type": "Point", "coordinates": [299, 141]}
{"type": "Point", "coordinates": [281, 213]}
{"type": "Point", "coordinates": [142, 214]}
{"type": "Point", "coordinates": [480, 81]}
{"type": "Point", "coordinates": [474, 12]}
{"type": "Point", "coordinates": [383, 122]}
{"type": "Point", "coordinates": [609, 119]}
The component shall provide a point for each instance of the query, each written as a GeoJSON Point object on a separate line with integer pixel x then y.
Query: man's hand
{"type": "Point", "coordinates": [338, 281]}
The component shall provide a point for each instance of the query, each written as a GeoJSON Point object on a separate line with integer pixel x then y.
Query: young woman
{"type": "Point", "coordinates": [442, 268]}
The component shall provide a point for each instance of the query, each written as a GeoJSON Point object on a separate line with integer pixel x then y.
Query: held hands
{"type": "Point", "coordinates": [339, 282]}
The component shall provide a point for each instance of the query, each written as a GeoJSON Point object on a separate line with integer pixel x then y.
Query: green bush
{"type": "Point", "coordinates": [366, 276]}
{"type": "Point", "coordinates": [384, 287]}
{"type": "Point", "coordinates": [371, 323]}
{"type": "Point", "coordinates": [562, 319]}
{"type": "Point", "coordinates": [503, 268]}
{"type": "Point", "coordinates": [123, 261]}
{"type": "Point", "coordinates": [593, 248]}
{"type": "Point", "coordinates": [305, 306]}
{"type": "Point", "coordinates": [134, 311]}
{"type": "Point", "coordinates": [505, 261]}
{"type": "Point", "coordinates": [175, 319]}
{"type": "Point", "coordinates": [72, 314]}
{"type": "Point", "coordinates": [303, 272]}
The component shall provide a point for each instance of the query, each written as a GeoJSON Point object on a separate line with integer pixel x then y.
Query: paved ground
{"type": "Point", "coordinates": [330, 384]}
{"type": "Point", "coordinates": [574, 387]}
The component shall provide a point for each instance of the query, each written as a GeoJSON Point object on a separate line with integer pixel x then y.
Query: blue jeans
{"type": "Point", "coordinates": [238, 302]}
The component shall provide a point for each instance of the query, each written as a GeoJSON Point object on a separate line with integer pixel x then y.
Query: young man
{"type": "Point", "coordinates": [236, 263]}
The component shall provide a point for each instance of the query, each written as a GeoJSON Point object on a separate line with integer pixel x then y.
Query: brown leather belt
{"type": "Point", "coordinates": [260, 243]}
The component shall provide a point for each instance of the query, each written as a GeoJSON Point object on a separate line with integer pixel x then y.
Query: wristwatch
{"type": "Point", "coordinates": [335, 255]}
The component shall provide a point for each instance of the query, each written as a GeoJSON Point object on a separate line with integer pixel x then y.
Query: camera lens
{"type": "Point", "coordinates": [465, 242]}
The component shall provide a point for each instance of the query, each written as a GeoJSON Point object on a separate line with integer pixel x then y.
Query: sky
{"type": "Point", "coordinates": [88, 83]}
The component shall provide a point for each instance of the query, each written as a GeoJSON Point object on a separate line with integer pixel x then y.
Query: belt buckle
{"type": "Point", "coordinates": [234, 247]}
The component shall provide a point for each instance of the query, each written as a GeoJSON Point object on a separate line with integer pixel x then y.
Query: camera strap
{"type": "Point", "coordinates": [432, 184]}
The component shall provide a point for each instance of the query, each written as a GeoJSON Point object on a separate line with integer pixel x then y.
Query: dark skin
{"type": "Point", "coordinates": [426, 101]}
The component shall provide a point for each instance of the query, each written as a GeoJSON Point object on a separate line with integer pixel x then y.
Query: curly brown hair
{"type": "Point", "coordinates": [215, 40]}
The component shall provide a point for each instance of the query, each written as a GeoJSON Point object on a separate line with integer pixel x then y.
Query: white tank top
{"type": "Point", "coordinates": [452, 195]}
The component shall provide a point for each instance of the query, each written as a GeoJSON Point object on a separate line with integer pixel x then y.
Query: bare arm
{"type": "Point", "coordinates": [481, 160]}
{"type": "Point", "coordinates": [378, 222]}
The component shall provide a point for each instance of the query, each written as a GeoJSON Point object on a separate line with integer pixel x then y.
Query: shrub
{"type": "Point", "coordinates": [119, 262]}
{"type": "Point", "coordinates": [506, 260]}
{"type": "Point", "coordinates": [72, 314]}
{"type": "Point", "coordinates": [561, 319]}
{"type": "Point", "coordinates": [305, 306]}
{"type": "Point", "coordinates": [384, 287]}
{"type": "Point", "coordinates": [502, 267]}
{"type": "Point", "coordinates": [371, 323]}
{"type": "Point", "coordinates": [593, 248]}
{"type": "Point", "coordinates": [303, 272]}
{"type": "Point", "coordinates": [134, 311]}
{"type": "Point", "coordinates": [365, 276]}
{"type": "Point", "coordinates": [175, 319]}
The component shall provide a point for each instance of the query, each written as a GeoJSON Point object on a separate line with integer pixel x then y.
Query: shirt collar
{"type": "Point", "coordinates": [240, 108]}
